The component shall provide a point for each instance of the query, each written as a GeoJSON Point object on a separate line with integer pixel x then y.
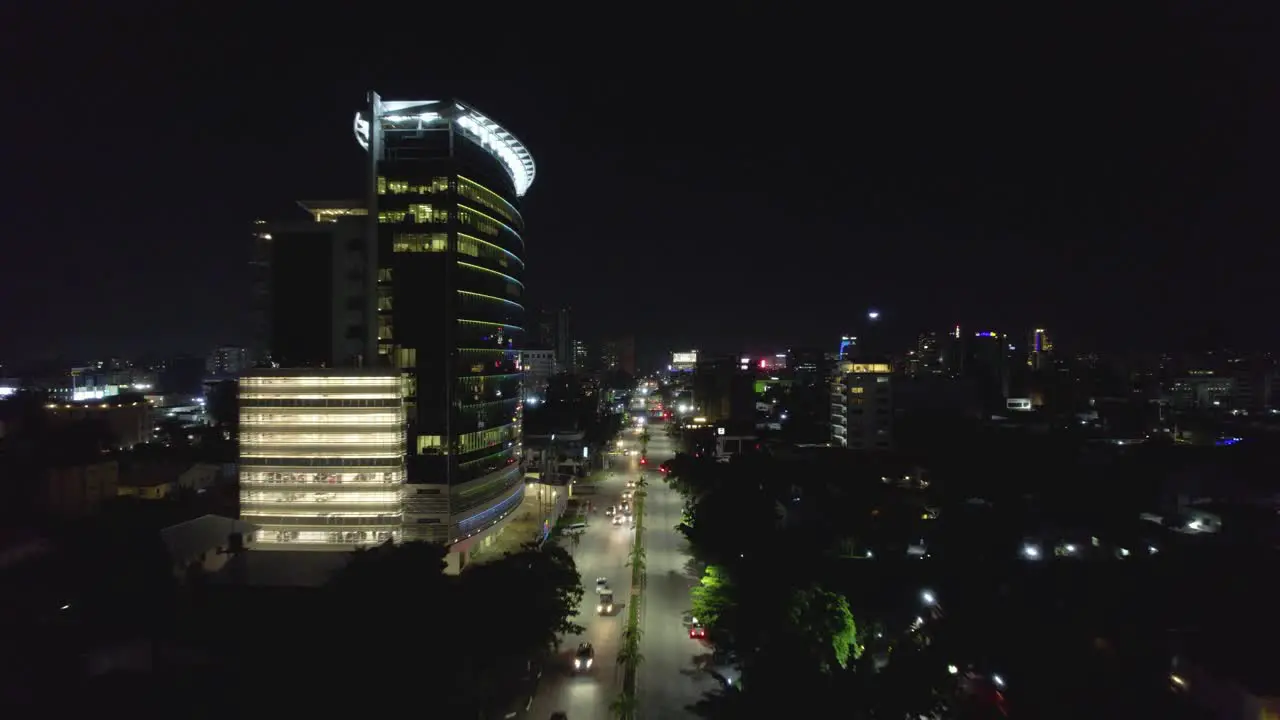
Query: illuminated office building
{"type": "Point", "coordinates": [443, 184]}
{"type": "Point", "coordinates": [1040, 353]}
{"type": "Point", "coordinates": [322, 456]}
{"type": "Point", "coordinates": [862, 406]}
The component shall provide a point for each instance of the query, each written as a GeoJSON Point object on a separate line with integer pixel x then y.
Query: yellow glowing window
{"type": "Point", "coordinates": [392, 216]}
{"type": "Point", "coordinates": [384, 275]}
{"type": "Point", "coordinates": [429, 445]}
{"type": "Point", "coordinates": [468, 246]}
{"type": "Point", "coordinates": [384, 328]}
{"type": "Point", "coordinates": [857, 390]}
{"type": "Point", "coordinates": [426, 213]}
{"type": "Point", "coordinates": [486, 197]}
{"type": "Point", "coordinates": [384, 298]}
{"type": "Point", "coordinates": [420, 242]}
{"type": "Point", "coordinates": [410, 385]}
{"type": "Point", "coordinates": [382, 185]}
{"type": "Point", "coordinates": [478, 222]}
{"type": "Point", "coordinates": [386, 349]}
{"type": "Point", "coordinates": [408, 358]}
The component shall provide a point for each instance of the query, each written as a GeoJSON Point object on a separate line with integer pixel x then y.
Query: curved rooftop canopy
{"type": "Point", "coordinates": [473, 124]}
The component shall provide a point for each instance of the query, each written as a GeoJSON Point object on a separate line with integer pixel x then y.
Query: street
{"type": "Point", "coordinates": [603, 551]}
{"type": "Point", "coordinates": [668, 682]}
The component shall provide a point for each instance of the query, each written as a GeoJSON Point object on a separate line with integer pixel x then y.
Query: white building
{"type": "Point", "coordinates": [322, 457]}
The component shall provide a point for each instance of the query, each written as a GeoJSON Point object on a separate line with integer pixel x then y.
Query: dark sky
{"type": "Point", "coordinates": [732, 181]}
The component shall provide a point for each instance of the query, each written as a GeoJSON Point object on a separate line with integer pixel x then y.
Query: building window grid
{"type": "Point", "coordinates": [475, 191]}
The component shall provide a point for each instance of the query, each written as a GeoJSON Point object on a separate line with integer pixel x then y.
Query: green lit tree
{"type": "Point", "coordinates": [824, 621]}
{"type": "Point", "coordinates": [713, 596]}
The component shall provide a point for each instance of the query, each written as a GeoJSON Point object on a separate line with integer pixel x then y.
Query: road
{"type": "Point", "coordinates": [603, 551]}
{"type": "Point", "coordinates": [668, 682]}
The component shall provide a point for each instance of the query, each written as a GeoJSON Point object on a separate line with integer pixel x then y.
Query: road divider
{"type": "Point", "coordinates": [629, 657]}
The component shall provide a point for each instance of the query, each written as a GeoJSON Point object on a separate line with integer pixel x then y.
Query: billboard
{"type": "Point", "coordinates": [684, 358]}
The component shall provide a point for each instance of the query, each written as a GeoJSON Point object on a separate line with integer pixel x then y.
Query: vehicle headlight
{"type": "Point", "coordinates": [599, 608]}
{"type": "Point", "coordinates": [610, 608]}
{"type": "Point", "coordinates": [577, 663]}
{"type": "Point", "coordinates": [589, 661]}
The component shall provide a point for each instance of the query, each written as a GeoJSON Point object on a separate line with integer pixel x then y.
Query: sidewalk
{"type": "Point", "coordinates": [528, 521]}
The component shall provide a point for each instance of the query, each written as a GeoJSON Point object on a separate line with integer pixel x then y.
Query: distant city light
{"type": "Point", "coordinates": [873, 314]}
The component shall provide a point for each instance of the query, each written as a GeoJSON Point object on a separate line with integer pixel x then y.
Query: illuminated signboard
{"type": "Point", "coordinates": [871, 368]}
{"type": "Point", "coordinates": [684, 358]}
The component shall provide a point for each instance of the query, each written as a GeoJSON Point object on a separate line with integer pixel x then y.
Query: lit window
{"type": "Point", "coordinates": [420, 242]}
{"type": "Point", "coordinates": [430, 445]}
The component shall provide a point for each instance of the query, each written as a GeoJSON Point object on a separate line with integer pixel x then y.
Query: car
{"type": "Point", "coordinates": [617, 519]}
{"type": "Point", "coordinates": [601, 583]}
{"type": "Point", "coordinates": [584, 658]}
{"type": "Point", "coordinates": [626, 495]}
{"type": "Point", "coordinates": [610, 510]}
{"type": "Point", "coordinates": [697, 632]}
{"type": "Point", "coordinates": [631, 483]}
{"type": "Point", "coordinates": [604, 604]}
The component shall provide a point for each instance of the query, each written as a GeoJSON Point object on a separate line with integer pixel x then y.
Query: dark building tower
{"type": "Point", "coordinates": [444, 182]}
{"type": "Point", "coordinates": [309, 289]}
{"type": "Point", "coordinates": [553, 333]}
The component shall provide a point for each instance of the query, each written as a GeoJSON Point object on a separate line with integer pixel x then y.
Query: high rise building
{"type": "Point", "coordinates": [421, 278]}
{"type": "Point", "coordinates": [552, 332]}
{"type": "Point", "coordinates": [443, 183]}
{"type": "Point", "coordinates": [1040, 352]}
{"type": "Point", "coordinates": [862, 406]}
{"type": "Point", "coordinates": [619, 354]}
{"type": "Point", "coordinates": [227, 361]}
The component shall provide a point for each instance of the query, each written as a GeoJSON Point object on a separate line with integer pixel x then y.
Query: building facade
{"type": "Point", "coordinates": [443, 184]}
{"type": "Point", "coordinates": [862, 406]}
{"type": "Point", "coordinates": [420, 281]}
{"type": "Point", "coordinates": [322, 456]}
{"type": "Point", "coordinates": [539, 366]}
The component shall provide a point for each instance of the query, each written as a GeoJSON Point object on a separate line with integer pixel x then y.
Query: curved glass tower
{"type": "Point", "coordinates": [444, 184]}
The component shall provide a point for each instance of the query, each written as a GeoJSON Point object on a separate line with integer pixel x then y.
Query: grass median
{"type": "Point", "coordinates": [629, 656]}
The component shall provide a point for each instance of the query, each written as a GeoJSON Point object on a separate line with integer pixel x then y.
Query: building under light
{"type": "Point", "coordinates": [1040, 353]}
{"type": "Point", "coordinates": [862, 406]}
{"type": "Point", "coordinates": [420, 280]}
{"type": "Point", "coordinates": [443, 183]}
{"type": "Point", "coordinates": [322, 456]}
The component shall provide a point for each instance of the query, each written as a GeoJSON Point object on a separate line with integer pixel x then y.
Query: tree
{"type": "Point", "coordinates": [824, 620]}
{"type": "Point", "coordinates": [624, 706]}
{"type": "Point", "coordinates": [552, 591]}
{"type": "Point", "coordinates": [712, 596]}
{"type": "Point", "coordinates": [402, 570]}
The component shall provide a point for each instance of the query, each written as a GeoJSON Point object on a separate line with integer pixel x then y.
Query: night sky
{"type": "Point", "coordinates": [737, 182]}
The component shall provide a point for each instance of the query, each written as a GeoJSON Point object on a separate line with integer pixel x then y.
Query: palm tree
{"type": "Point", "coordinates": [626, 654]}
{"type": "Point", "coordinates": [624, 707]}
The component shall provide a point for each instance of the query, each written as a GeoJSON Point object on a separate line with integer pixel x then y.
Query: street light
{"type": "Point", "coordinates": [929, 598]}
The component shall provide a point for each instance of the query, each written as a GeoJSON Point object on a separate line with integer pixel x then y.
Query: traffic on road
{"type": "Point", "coordinates": [584, 678]}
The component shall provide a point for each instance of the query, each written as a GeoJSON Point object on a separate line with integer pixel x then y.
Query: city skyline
{"type": "Point", "coordinates": [975, 192]}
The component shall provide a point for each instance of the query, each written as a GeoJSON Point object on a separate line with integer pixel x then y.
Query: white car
{"type": "Point", "coordinates": [602, 583]}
